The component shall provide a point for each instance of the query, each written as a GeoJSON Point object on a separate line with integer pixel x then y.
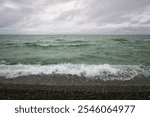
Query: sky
{"type": "Point", "coordinates": [74, 16]}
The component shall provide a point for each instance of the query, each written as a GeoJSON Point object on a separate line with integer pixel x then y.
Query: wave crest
{"type": "Point", "coordinates": [102, 71]}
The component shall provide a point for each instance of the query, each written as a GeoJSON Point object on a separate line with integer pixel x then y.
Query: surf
{"type": "Point", "coordinates": [101, 71]}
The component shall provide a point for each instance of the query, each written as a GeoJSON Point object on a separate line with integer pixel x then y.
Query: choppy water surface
{"type": "Point", "coordinates": [104, 57]}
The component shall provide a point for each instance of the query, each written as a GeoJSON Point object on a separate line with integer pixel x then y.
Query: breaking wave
{"type": "Point", "coordinates": [103, 71]}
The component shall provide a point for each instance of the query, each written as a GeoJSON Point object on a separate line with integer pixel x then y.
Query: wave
{"type": "Point", "coordinates": [79, 45]}
{"type": "Point", "coordinates": [54, 45]}
{"type": "Point", "coordinates": [103, 71]}
{"type": "Point", "coordinates": [35, 44]}
{"type": "Point", "coordinates": [120, 39]}
{"type": "Point", "coordinates": [38, 44]}
{"type": "Point", "coordinates": [71, 41]}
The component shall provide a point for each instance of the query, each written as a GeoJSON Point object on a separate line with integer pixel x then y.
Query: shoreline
{"type": "Point", "coordinates": [59, 87]}
{"type": "Point", "coordinates": [39, 92]}
{"type": "Point", "coordinates": [73, 80]}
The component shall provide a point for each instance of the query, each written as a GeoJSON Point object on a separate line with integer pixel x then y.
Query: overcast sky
{"type": "Point", "coordinates": [74, 16]}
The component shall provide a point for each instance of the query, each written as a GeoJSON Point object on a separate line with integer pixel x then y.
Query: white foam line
{"type": "Point", "coordinates": [102, 71]}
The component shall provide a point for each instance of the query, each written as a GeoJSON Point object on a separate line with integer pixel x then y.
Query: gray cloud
{"type": "Point", "coordinates": [75, 17]}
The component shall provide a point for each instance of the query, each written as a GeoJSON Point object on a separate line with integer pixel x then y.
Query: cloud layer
{"type": "Point", "coordinates": [74, 16]}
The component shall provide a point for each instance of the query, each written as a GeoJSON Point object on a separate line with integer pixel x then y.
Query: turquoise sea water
{"type": "Point", "coordinates": [113, 56]}
{"type": "Point", "coordinates": [126, 50]}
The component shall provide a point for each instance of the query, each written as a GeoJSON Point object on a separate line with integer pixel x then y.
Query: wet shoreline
{"type": "Point", "coordinates": [72, 88]}
{"type": "Point", "coordinates": [39, 92]}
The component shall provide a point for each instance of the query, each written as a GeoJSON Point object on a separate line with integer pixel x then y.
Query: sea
{"type": "Point", "coordinates": [103, 57]}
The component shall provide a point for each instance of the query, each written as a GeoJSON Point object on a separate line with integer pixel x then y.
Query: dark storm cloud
{"type": "Point", "coordinates": [75, 16]}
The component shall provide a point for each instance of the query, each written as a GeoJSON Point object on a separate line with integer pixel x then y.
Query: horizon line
{"type": "Point", "coordinates": [73, 34]}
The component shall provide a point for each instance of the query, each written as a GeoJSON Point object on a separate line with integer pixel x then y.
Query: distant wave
{"type": "Point", "coordinates": [103, 71]}
{"type": "Point", "coordinates": [36, 44]}
{"type": "Point", "coordinates": [78, 45]}
{"type": "Point", "coordinates": [120, 39]}
{"type": "Point", "coordinates": [71, 41]}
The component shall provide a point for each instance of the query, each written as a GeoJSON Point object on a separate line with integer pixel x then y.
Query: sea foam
{"type": "Point", "coordinates": [102, 71]}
